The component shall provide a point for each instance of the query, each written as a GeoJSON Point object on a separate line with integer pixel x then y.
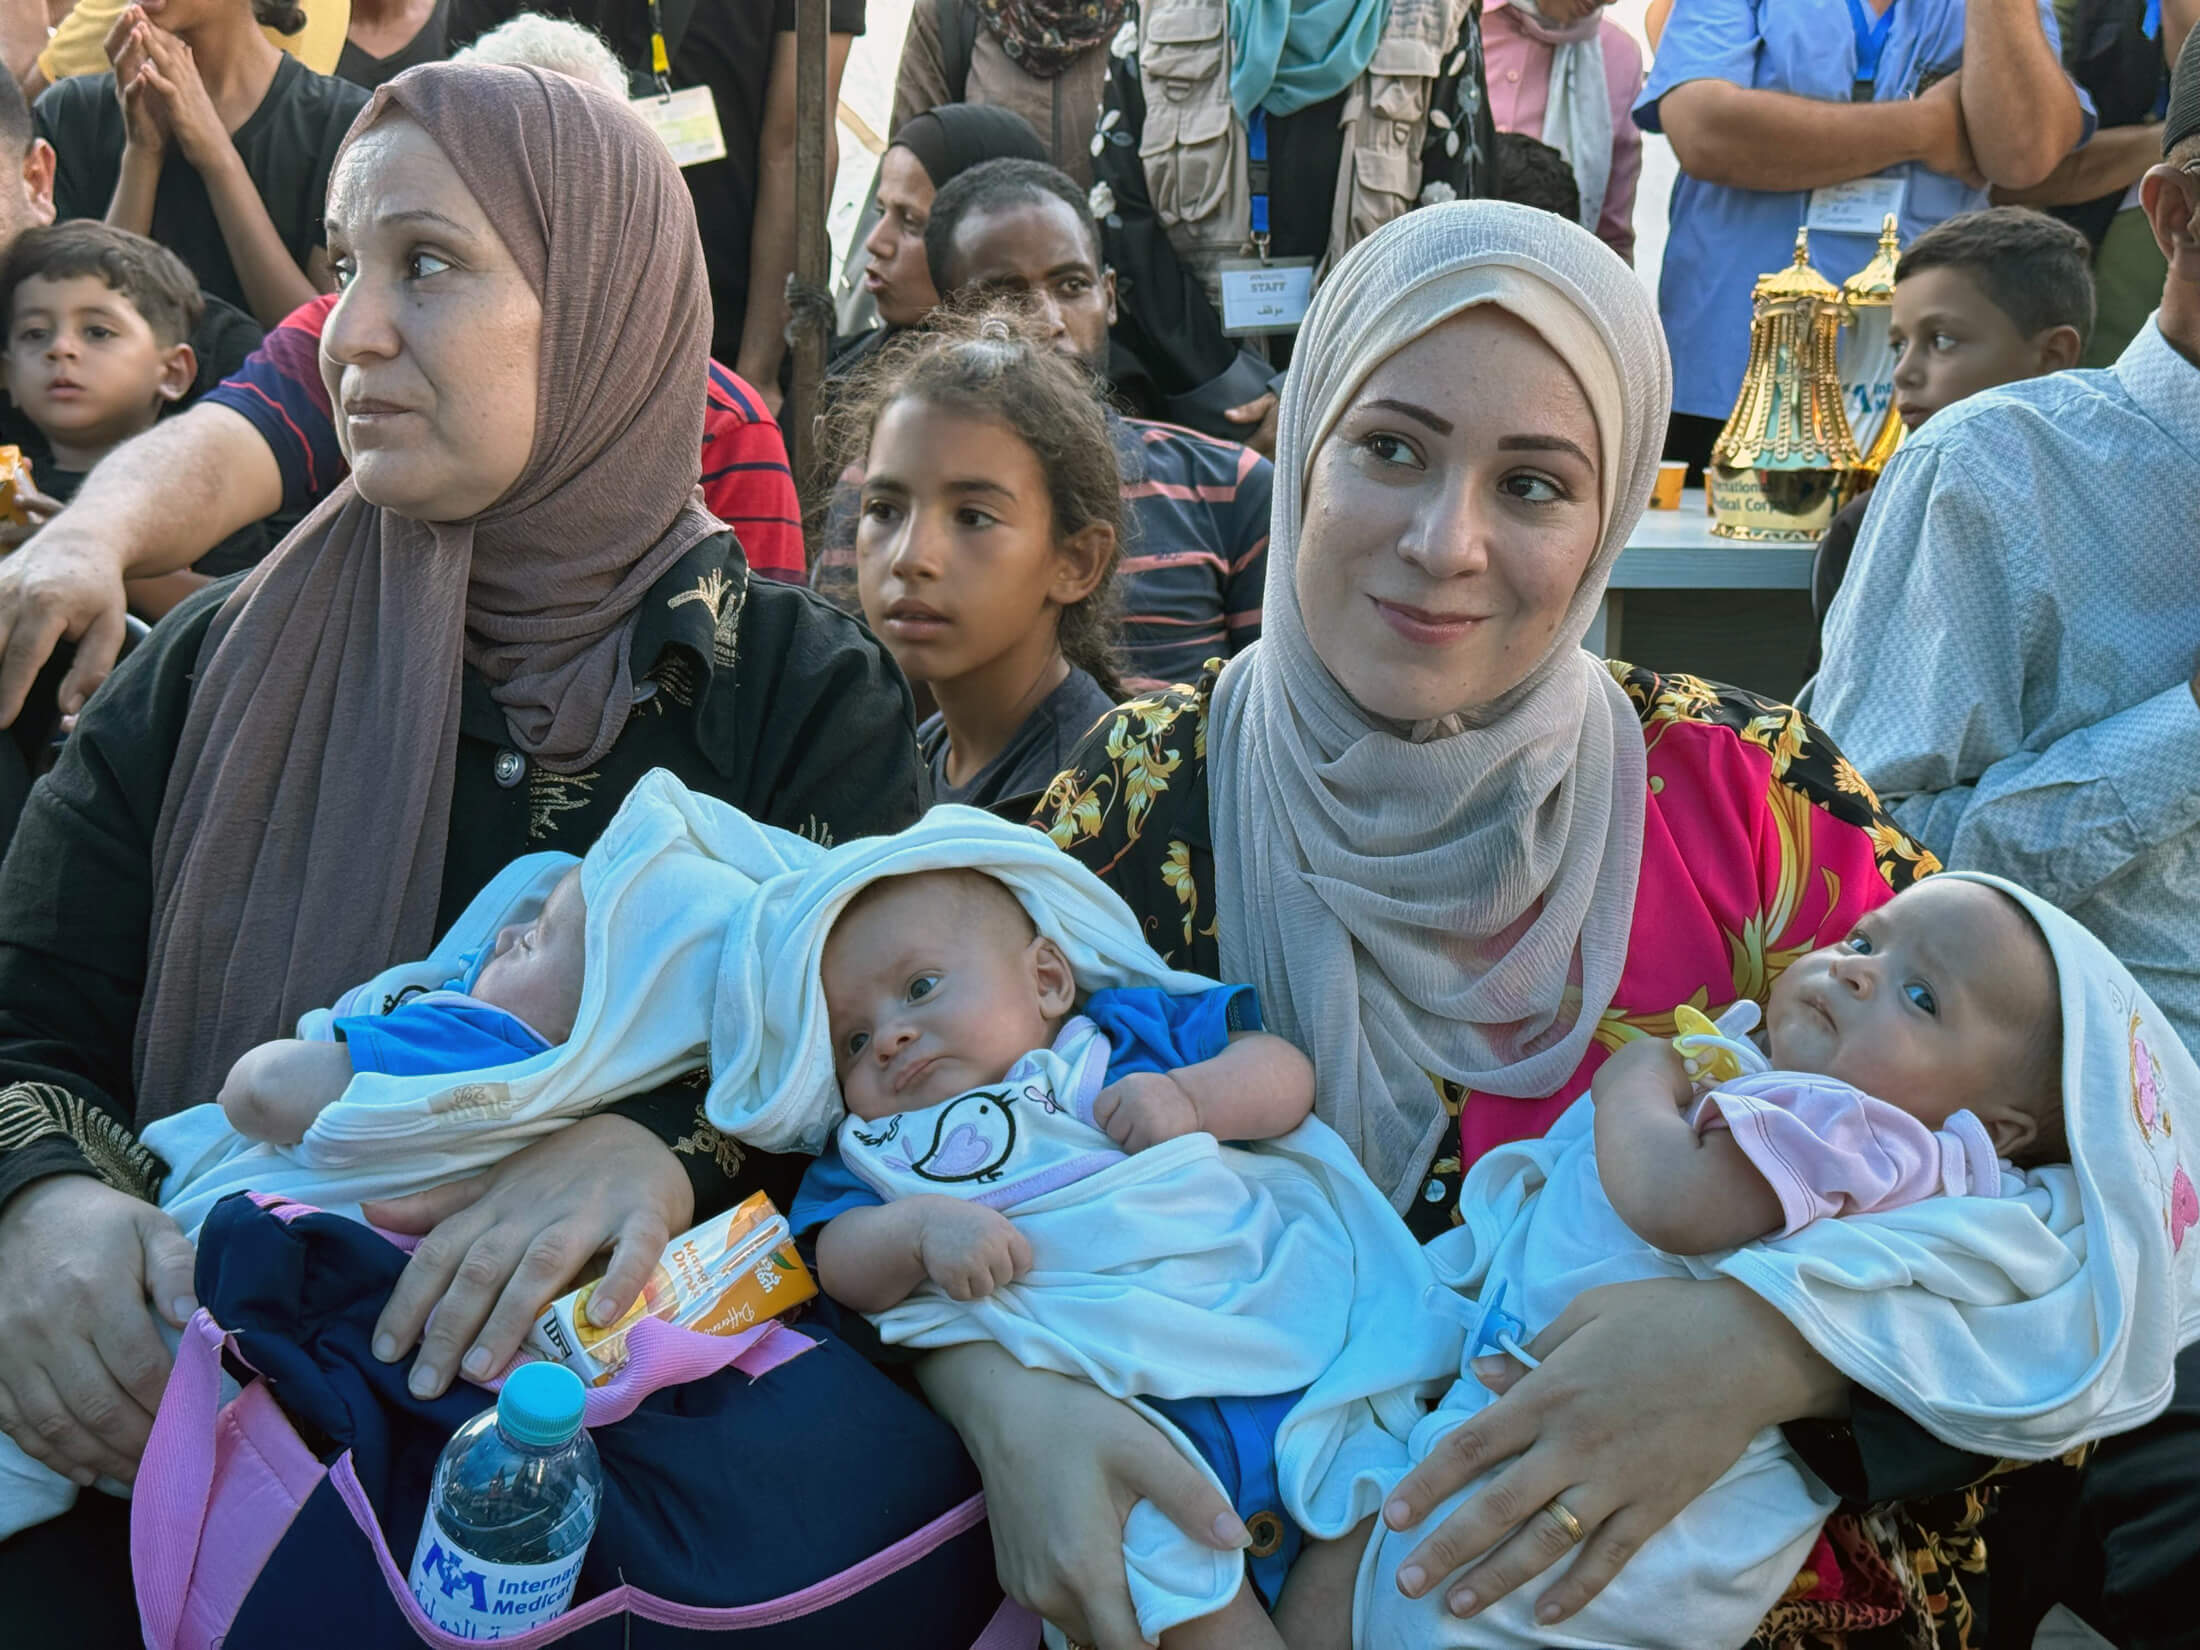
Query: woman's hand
{"type": "Point", "coordinates": [180, 100]}
{"type": "Point", "coordinates": [82, 1363]}
{"type": "Point", "coordinates": [1647, 1392]}
{"type": "Point", "coordinates": [502, 1245]}
{"type": "Point", "coordinates": [1063, 1465]}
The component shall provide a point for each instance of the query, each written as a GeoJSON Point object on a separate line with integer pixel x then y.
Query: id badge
{"type": "Point", "coordinates": [1265, 294]}
{"type": "Point", "coordinates": [1858, 207]}
{"type": "Point", "coordinates": [686, 122]}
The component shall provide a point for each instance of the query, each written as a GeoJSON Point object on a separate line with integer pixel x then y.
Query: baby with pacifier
{"type": "Point", "coordinates": [1951, 1165]}
{"type": "Point", "coordinates": [1919, 1057]}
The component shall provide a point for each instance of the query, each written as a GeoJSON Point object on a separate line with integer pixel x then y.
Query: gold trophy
{"type": "Point", "coordinates": [1867, 359]}
{"type": "Point", "coordinates": [1778, 468]}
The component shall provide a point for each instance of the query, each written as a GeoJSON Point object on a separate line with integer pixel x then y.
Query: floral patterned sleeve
{"type": "Point", "coordinates": [1132, 806]}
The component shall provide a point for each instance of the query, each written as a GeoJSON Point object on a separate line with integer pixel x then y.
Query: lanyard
{"type": "Point", "coordinates": [660, 60]}
{"type": "Point", "coordinates": [1256, 168]}
{"type": "Point", "coordinates": [1871, 42]}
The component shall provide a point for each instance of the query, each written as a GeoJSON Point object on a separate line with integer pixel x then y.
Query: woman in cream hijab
{"type": "Point", "coordinates": [1462, 859]}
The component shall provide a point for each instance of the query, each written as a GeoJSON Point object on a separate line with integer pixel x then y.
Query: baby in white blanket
{"type": "Point", "coordinates": [1920, 1057]}
{"type": "Point", "coordinates": [522, 1000]}
{"type": "Point", "coordinates": [1908, 1060]}
{"type": "Point", "coordinates": [972, 1087]}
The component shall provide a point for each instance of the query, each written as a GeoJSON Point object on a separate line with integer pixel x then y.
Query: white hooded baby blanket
{"type": "Point", "coordinates": [2017, 1325]}
{"type": "Point", "coordinates": [772, 1081]}
{"type": "Point", "coordinates": [2051, 1317]}
{"type": "Point", "coordinates": [659, 901]}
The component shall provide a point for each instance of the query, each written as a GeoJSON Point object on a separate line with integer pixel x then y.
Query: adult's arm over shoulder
{"type": "Point", "coordinates": [76, 900]}
{"type": "Point", "coordinates": [827, 719]}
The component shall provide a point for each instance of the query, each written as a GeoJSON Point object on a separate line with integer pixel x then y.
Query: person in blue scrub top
{"type": "Point", "coordinates": [1832, 112]}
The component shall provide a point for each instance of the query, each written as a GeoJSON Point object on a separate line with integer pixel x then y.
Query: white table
{"type": "Point", "coordinates": [1675, 550]}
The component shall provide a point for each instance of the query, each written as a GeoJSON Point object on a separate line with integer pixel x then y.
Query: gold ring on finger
{"type": "Point", "coordinates": [1567, 1522]}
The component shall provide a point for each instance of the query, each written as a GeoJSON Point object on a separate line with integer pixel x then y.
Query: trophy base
{"type": "Point", "coordinates": [1773, 506]}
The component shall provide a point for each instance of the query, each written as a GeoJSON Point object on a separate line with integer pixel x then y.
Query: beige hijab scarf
{"type": "Point", "coordinates": [1458, 905]}
{"type": "Point", "coordinates": [300, 842]}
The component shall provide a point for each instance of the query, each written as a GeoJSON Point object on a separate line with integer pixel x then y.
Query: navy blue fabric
{"type": "Point", "coordinates": [725, 1491]}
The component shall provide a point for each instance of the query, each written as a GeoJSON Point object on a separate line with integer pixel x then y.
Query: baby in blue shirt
{"type": "Point", "coordinates": [522, 1002]}
{"type": "Point", "coordinates": [980, 1081]}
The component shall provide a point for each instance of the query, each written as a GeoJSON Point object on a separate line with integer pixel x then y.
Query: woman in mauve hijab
{"type": "Point", "coordinates": [514, 608]}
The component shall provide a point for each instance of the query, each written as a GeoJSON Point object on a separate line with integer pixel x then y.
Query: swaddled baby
{"type": "Point", "coordinates": [521, 1001]}
{"type": "Point", "coordinates": [1919, 1059]}
{"type": "Point", "coordinates": [1907, 1061]}
{"type": "Point", "coordinates": [976, 1081]}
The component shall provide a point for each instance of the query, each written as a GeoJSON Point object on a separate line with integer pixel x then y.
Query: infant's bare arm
{"type": "Point", "coordinates": [1684, 1192]}
{"type": "Point", "coordinates": [1315, 1611]}
{"type": "Point", "coordinates": [1257, 1088]}
{"type": "Point", "coordinates": [873, 1258]}
{"type": "Point", "coordinates": [275, 1091]}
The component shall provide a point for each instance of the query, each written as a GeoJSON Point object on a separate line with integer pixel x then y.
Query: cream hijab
{"type": "Point", "coordinates": [1451, 901]}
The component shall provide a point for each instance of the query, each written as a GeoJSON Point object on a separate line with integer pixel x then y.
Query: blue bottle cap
{"type": "Point", "coordinates": [541, 1404]}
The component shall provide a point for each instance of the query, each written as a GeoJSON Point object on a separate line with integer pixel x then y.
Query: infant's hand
{"type": "Point", "coordinates": [1643, 1066]}
{"type": "Point", "coordinates": [970, 1250]}
{"type": "Point", "coordinates": [1145, 1109]}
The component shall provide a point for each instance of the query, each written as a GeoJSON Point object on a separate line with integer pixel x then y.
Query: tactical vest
{"type": "Point", "coordinates": [1193, 146]}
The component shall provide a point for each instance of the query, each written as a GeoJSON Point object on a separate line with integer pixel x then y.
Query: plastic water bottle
{"type": "Point", "coordinates": [510, 1511]}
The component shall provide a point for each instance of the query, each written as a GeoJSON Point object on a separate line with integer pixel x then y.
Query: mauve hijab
{"type": "Point", "coordinates": [301, 837]}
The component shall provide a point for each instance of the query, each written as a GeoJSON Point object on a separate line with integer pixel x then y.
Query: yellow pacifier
{"type": "Point", "coordinates": [1703, 1048]}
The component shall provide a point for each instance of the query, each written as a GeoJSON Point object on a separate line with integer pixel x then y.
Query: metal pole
{"type": "Point", "coordinates": [812, 246]}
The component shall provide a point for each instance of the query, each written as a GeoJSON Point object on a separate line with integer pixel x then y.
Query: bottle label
{"type": "Point", "coordinates": [472, 1598]}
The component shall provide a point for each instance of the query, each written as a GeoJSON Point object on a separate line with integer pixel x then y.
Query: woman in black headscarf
{"type": "Point", "coordinates": [927, 151]}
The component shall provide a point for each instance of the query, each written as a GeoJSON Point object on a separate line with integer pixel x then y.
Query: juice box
{"type": "Point", "coordinates": [729, 1274]}
{"type": "Point", "coordinates": [15, 481]}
